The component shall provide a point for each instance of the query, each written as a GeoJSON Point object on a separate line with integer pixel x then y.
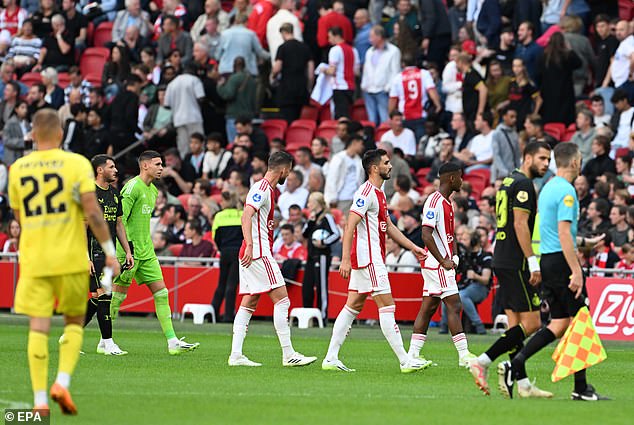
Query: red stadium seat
{"type": "Point", "coordinates": [299, 134]}
{"type": "Point", "coordinates": [570, 131]}
{"type": "Point", "coordinates": [337, 215]}
{"type": "Point", "coordinates": [626, 10]}
{"type": "Point", "coordinates": [555, 129]}
{"type": "Point", "coordinates": [102, 34]}
{"type": "Point", "coordinates": [93, 60]}
{"type": "Point", "coordinates": [309, 112]}
{"type": "Point", "coordinates": [367, 123]}
{"type": "Point", "coordinates": [483, 173]}
{"type": "Point", "coordinates": [380, 131]}
{"type": "Point", "coordinates": [324, 112]}
{"type": "Point", "coordinates": [421, 174]}
{"type": "Point", "coordinates": [358, 112]}
{"type": "Point", "coordinates": [90, 31]}
{"type": "Point", "coordinates": [176, 249]}
{"type": "Point", "coordinates": [327, 130]}
{"type": "Point", "coordinates": [274, 128]}
{"type": "Point", "coordinates": [31, 78]}
{"type": "Point", "coordinates": [183, 199]}
{"type": "Point", "coordinates": [304, 123]}
{"type": "Point", "coordinates": [94, 79]}
{"type": "Point", "coordinates": [63, 79]}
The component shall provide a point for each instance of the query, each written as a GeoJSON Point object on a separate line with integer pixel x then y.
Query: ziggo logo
{"type": "Point", "coordinates": [615, 310]}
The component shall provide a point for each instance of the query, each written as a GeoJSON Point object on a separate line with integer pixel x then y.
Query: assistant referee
{"type": "Point", "coordinates": [563, 285]}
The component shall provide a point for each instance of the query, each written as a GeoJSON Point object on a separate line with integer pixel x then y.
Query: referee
{"type": "Point", "coordinates": [562, 278]}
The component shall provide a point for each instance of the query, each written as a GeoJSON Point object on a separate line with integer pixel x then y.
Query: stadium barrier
{"type": "Point", "coordinates": [611, 299]}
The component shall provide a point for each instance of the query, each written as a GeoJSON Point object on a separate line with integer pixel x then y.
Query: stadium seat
{"type": "Point", "coordinates": [421, 174]}
{"type": "Point", "coordinates": [176, 249]}
{"type": "Point", "coordinates": [299, 134]}
{"type": "Point", "coordinates": [367, 123]}
{"type": "Point", "coordinates": [93, 60]}
{"type": "Point", "coordinates": [555, 129]}
{"type": "Point", "coordinates": [309, 112]}
{"type": "Point", "coordinates": [93, 79]}
{"type": "Point", "coordinates": [358, 112]}
{"type": "Point", "coordinates": [90, 31]}
{"type": "Point", "coordinates": [325, 113]}
{"type": "Point", "coordinates": [626, 10]}
{"type": "Point", "coordinates": [63, 79]}
{"type": "Point", "coordinates": [327, 130]}
{"type": "Point", "coordinates": [183, 199]}
{"type": "Point", "coordinates": [31, 78]}
{"type": "Point", "coordinates": [483, 173]}
{"type": "Point", "coordinates": [274, 128]}
{"type": "Point", "coordinates": [337, 215]}
{"type": "Point", "coordinates": [102, 34]}
{"type": "Point", "coordinates": [380, 131]}
{"type": "Point", "coordinates": [570, 131]}
{"type": "Point", "coordinates": [305, 317]}
{"type": "Point", "coordinates": [198, 312]}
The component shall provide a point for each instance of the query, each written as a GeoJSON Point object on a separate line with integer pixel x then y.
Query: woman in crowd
{"type": "Point", "coordinates": [115, 72]}
{"type": "Point", "coordinates": [523, 96]}
{"type": "Point", "coordinates": [25, 48]}
{"type": "Point", "coordinates": [16, 134]}
{"type": "Point", "coordinates": [321, 232]}
{"type": "Point", "coordinates": [54, 93]}
{"type": "Point", "coordinates": [157, 126]}
{"type": "Point", "coordinates": [13, 242]}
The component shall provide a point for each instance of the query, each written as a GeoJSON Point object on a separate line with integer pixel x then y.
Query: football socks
{"type": "Point", "coordinates": [508, 342]}
{"type": "Point", "coordinates": [91, 309]}
{"type": "Point", "coordinates": [280, 321]}
{"type": "Point", "coordinates": [340, 331]}
{"type": "Point", "coordinates": [391, 332]}
{"type": "Point", "coordinates": [163, 312]}
{"type": "Point", "coordinates": [240, 328]}
{"type": "Point", "coordinates": [69, 352]}
{"type": "Point", "coordinates": [103, 316]}
{"type": "Point", "coordinates": [37, 351]}
{"type": "Point", "coordinates": [115, 304]}
{"type": "Point", "coordinates": [541, 339]}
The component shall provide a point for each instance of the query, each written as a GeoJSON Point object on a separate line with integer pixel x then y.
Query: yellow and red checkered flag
{"type": "Point", "coordinates": [580, 347]}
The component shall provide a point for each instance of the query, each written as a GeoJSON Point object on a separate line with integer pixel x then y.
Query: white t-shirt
{"type": "Point", "coordinates": [481, 146]}
{"type": "Point", "coordinates": [412, 194]}
{"type": "Point", "coordinates": [286, 199]}
{"type": "Point", "coordinates": [406, 141]}
{"type": "Point", "coordinates": [622, 137]}
{"type": "Point", "coordinates": [262, 200]}
{"type": "Point", "coordinates": [350, 182]}
{"type": "Point", "coordinates": [621, 63]}
{"type": "Point", "coordinates": [345, 66]}
{"type": "Point", "coordinates": [438, 214]}
{"type": "Point", "coordinates": [368, 243]}
{"type": "Point", "coordinates": [405, 259]}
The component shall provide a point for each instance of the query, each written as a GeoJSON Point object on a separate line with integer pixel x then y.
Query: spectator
{"type": "Point", "coordinates": [304, 164]}
{"type": "Point", "coordinates": [604, 49]}
{"type": "Point", "coordinates": [158, 129]}
{"type": "Point", "coordinates": [621, 67]}
{"type": "Point", "coordinates": [210, 38]}
{"type": "Point", "coordinates": [244, 126]}
{"type": "Point", "coordinates": [35, 98]}
{"type": "Point", "coordinates": [16, 134]}
{"type": "Point", "coordinates": [412, 228]}
{"type": "Point", "coordinates": [183, 96]}
{"type": "Point", "coordinates": [404, 197]}
{"type": "Point", "coordinates": [132, 43]}
{"type": "Point", "coordinates": [497, 85]}
{"type": "Point", "coordinates": [239, 93]}
{"type": "Point", "coordinates": [295, 215]}
{"type": "Point", "coordinates": [405, 15]}
{"type": "Point", "coordinates": [623, 164]}
{"type": "Point", "coordinates": [57, 47]}
{"type": "Point", "coordinates": [452, 83]}
{"type": "Point", "coordinates": [555, 70]}
{"type": "Point", "coordinates": [262, 12]}
{"type": "Point", "coordinates": [457, 15]}
{"type": "Point", "coordinates": [382, 62]}
{"type": "Point", "coordinates": [345, 175]}
{"type": "Point", "coordinates": [398, 259]}
{"type": "Point", "coordinates": [213, 11]}
{"type": "Point", "coordinates": [238, 41]}
{"type": "Point", "coordinates": [603, 256]}
{"type": "Point", "coordinates": [195, 245]}
{"type": "Point", "coordinates": [54, 93]}
{"type": "Point", "coordinates": [115, 71]}
{"type": "Point", "coordinates": [42, 18]}
{"type": "Point", "coordinates": [399, 136]}
{"type": "Point", "coordinates": [461, 133]}
{"type": "Point", "coordinates": [479, 151]}
{"type": "Point", "coordinates": [240, 7]}
{"type": "Point", "coordinates": [474, 91]}
{"type": "Point", "coordinates": [601, 163]}
{"type": "Point", "coordinates": [293, 69]}
{"type": "Point", "coordinates": [7, 71]}
{"type": "Point", "coordinates": [96, 136]}
{"type": "Point", "coordinates": [13, 242]}
{"type": "Point", "coordinates": [227, 233]}
{"type": "Point", "coordinates": [626, 262]}
{"type": "Point", "coordinates": [535, 130]}
{"type": "Point", "coordinates": [11, 21]}
{"type": "Point", "coordinates": [132, 15]}
{"type": "Point", "coordinates": [318, 156]}
{"type": "Point", "coordinates": [239, 162]}
{"type": "Point", "coordinates": [621, 233]}
{"type": "Point", "coordinates": [363, 27]}
{"type": "Point", "coordinates": [343, 65]}
{"type": "Point", "coordinates": [597, 106]}
{"type": "Point", "coordinates": [148, 58]}
{"type": "Point", "coordinates": [505, 50]}
{"type": "Point", "coordinates": [446, 154]}
{"type": "Point", "coordinates": [294, 194]}
{"type": "Point", "coordinates": [25, 48]}
{"type": "Point", "coordinates": [585, 134]}
{"type": "Point", "coordinates": [328, 19]}
{"type": "Point", "coordinates": [284, 17]}
{"type": "Point", "coordinates": [176, 224]}
{"type": "Point", "coordinates": [527, 49]}
{"type": "Point", "coordinates": [74, 129]}
{"type": "Point", "coordinates": [178, 175]}
{"type": "Point", "coordinates": [196, 153]}
{"type": "Point", "coordinates": [236, 183]}
{"type": "Point", "coordinates": [582, 76]}
{"type": "Point", "coordinates": [583, 194]}
{"type": "Point", "coordinates": [290, 247]}
{"type": "Point", "coordinates": [170, 8]}
{"type": "Point", "coordinates": [436, 31]}
{"type": "Point", "coordinates": [216, 158]}
{"type": "Point", "coordinates": [79, 83]}
{"type": "Point", "coordinates": [338, 141]}
{"type": "Point", "coordinates": [124, 114]}
{"type": "Point", "coordinates": [505, 145]}
{"type": "Point", "coordinates": [174, 38]}
{"type": "Point", "coordinates": [76, 23]}
{"type": "Point", "coordinates": [428, 145]}
{"type": "Point", "coordinates": [159, 241]}
{"type": "Point", "coordinates": [597, 219]}
{"type": "Point", "coordinates": [400, 167]}
{"type": "Point", "coordinates": [9, 101]}
{"type": "Point", "coordinates": [411, 98]}
{"type": "Point", "coordinates": [622, 120]}
{"type": "Point", "coordinates": [523, 96]}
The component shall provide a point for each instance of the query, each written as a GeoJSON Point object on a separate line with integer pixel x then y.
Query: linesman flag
{"type": "Point", "coordinates": [579, 349]}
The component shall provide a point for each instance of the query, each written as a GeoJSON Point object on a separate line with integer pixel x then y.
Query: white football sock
{"type": "Point", "coordinates": [484, 360]}
{"type": "Point", "coordinates": [392, 332]}
{"type": "Point", "coordinates": [280, 321]}
{"type": "Point", "coordinates": [40, 398]}
{"type": "Point", "coordinates": [63, 379]}
{"type": "Point", "coordinates": [240, 327]}
{"type": "Point", "coordinates": [340, 331]}
{"type": "Point", "coordinates": [416, 344]}
{"type": "Point", "coordinates": [460, 341]}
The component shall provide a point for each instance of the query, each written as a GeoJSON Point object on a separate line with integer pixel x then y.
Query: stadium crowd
{"type": "Point", "coordinates": [217, 86]}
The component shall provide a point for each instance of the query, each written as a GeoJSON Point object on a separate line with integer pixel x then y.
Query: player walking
{"type": "Point", "coordinates": [363, 260]}
{"type": "Point", "coordinates": [259, 273]}
{"type": "Point", "coordinates": [51, 191]}
{"type": "Point", "coordinates": [110, 202]}
{"type": "Point", "coordinates": [138, 198]}
{"type": "Point", "coordinates": [516, 266]}
{"type": "Point", "coordinates": [563, 285]}
{"type": "Point", "coordinates": [439, 274]}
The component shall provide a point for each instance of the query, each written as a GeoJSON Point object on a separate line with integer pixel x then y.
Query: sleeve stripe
{"type": "Point", "coordinates": [359, 214]}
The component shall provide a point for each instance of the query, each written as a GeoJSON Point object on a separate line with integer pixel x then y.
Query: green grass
{"type": "Point", "coordinates": [150, 387]}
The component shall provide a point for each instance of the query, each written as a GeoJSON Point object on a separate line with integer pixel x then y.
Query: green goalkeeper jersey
{"type": "Point", "coordinates": [138, 200]}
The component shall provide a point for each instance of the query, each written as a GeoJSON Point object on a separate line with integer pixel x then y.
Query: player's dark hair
{"type": "Point", "coordinates": [195, 226]}
{"type": "Point", "coordinates": [99, 161]}
{"type": "Point", "coordinates": [533, 147]}
{"type": "Point", "coordinates": [372, 157]}
{"type": "Point", "coordinates": [449, 167]}
{"type": "Point", "coordinates": [565, 153]}
{"type": "Point", "coordinates": [280, 159]}
{"type": "Point", "coordinates": [147, 155]}
{"type": "Point", "coordinates": [288, 227]}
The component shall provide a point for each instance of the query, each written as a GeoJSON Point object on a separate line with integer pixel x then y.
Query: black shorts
{"type": "Point", "coordinates": [99, 262]}
{"type": "Point", "coordinates": [515, 293]}
{"type": "Point", "coordinates": [555, 280]}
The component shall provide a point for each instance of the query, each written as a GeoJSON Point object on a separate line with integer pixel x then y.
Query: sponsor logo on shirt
{"type": "Point", "coordinates": [430, 215]}
{"type": "Point", "coordinates": [146, 209]}
{"type": "Point", "coordinates": [383, 226]}
{"type": "Point", "coordinates": [257, 197]}
{"type": "Point", "coordinates": [522, 196]}
{"type": "Point", "coordinates": [360, 203]}
{"type": "Point", "coordinates": [271, 225]}
{"type": "Point", "coordinates": [569, 201]}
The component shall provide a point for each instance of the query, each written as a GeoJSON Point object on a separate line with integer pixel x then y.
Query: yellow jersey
{"type": "Point", "coordinates": [45, 187]}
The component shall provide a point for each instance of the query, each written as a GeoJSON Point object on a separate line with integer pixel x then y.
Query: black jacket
{"type": "Point", "coordinates": [326, 223]}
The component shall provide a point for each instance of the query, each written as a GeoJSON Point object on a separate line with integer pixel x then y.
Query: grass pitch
{"type": "Point", "coordinates": [150, 387]}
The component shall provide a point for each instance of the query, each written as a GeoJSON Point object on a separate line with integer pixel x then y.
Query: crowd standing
{"type": "Point", "coordinates": [216, 87]}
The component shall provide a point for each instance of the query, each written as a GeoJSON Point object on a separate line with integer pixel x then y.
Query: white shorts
{"type": "Point", "coordinates": [372, 279]}
{"type": "Point", "coordinates": [263, 275]}
{"type": "Point", "coordinates": [439, 282]}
